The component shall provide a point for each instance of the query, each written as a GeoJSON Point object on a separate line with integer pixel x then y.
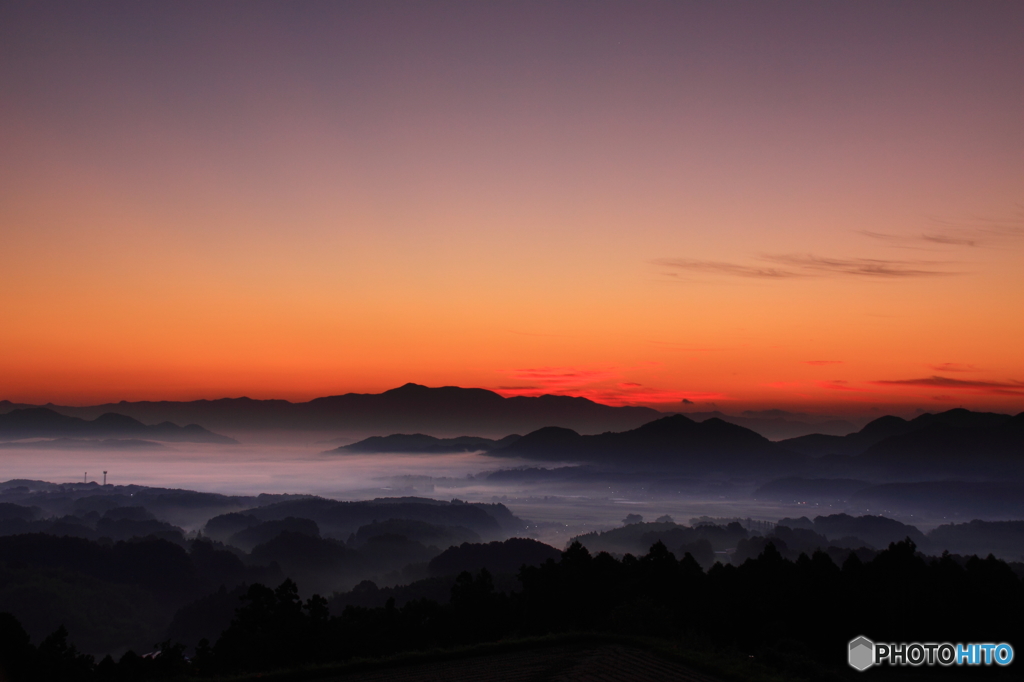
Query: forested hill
{"type": "Point", "coordinates": [751, 621]}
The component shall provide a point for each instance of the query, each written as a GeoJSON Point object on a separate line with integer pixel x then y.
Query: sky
{"type": "Point", "coordinates": [795, 205]}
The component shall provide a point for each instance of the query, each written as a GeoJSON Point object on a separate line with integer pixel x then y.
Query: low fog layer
{"type": "Point", "coordinates": [561, 499]}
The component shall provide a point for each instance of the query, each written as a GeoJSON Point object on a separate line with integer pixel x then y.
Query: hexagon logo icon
{"type": "Point", "coordinates": [862, 653]}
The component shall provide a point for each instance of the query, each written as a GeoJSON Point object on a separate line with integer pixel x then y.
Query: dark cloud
{"type": "Point", "coordinates": [838, 385]}
{"type": "Point", "coordinates": [949, 240]}
{"type": "Point", "coordinates": [953, 367]}
{"type": "Point", "coordinates": [991, 387]}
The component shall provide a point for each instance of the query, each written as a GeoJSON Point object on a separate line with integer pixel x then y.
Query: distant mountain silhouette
{"type": "Point", "coordinates": [82, 444]}
{"type": "Point", "coordinates": [818, 444]}
{"type": "Point", "coordinates": [957, 443]}
{"type": "Point", "coordinates": [675, 442]}
{"type": "Point", "coordinates": [41, 422]}
{"type": "Point", "coordinates": [419, 443]}
{"type": "Point", "coordinates": [449, 410]}
{"type": "Point", "coordinates": [777, 424]}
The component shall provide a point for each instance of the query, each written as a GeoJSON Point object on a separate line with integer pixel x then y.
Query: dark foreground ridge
{"type": "Point", "coordinates": [106, 568]}
{"type": "Point", "coordinates": [564, 659]}
{"type": "Point", "coordinates": [769, 618]}
{"type": "Point", "coordinates": [42, 422]}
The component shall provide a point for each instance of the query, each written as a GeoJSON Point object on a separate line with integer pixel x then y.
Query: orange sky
{"type": "Point", "coordinates": [808, 209]}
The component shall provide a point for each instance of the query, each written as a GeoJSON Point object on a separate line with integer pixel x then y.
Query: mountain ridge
{"type": "Point", "coordinates": [43, 422]}
{"type": "Point", "coordinates": [419, 443]}
{"type": "Point", "coordinates": [779, 424]}
{"type": "Point", "coordinates": [674, 441]}
{"type": "Point", "coordinates": [929, 445]}
{"type": "Point", "coordinates": [411, 408]}
{"type": "Point", "coordinates": [888, 426]}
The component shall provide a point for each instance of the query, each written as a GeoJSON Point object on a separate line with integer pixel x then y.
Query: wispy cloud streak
{"type": "Point", "coordinates": [724, 268]}
{"type": "Point", "coordinates": [809, 265]}
{"type": "Point", "coordinates": [861, 267]}
{"type": "Point", "coordinates": [974, 233]}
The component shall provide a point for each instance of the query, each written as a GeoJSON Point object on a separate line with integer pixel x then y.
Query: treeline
{"type": "Point", "coordinates": [793, 617]}
{"type": "Point", "coordinates": [734, 542]}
